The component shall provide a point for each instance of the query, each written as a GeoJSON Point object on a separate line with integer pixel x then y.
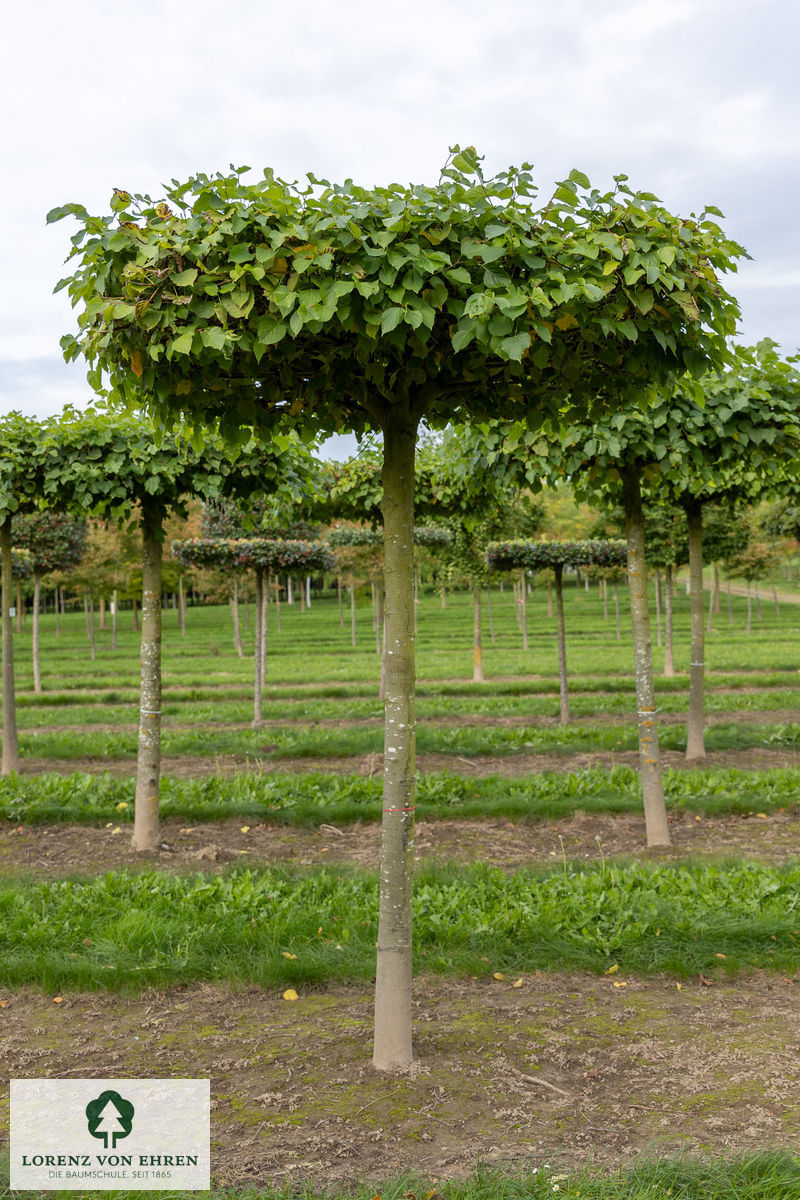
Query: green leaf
{"type": "Point", "coordinates": [183, 344]}
{"type": "Point", "coordinates": [515, 347]}
{"type": "Point", "coordinates": [462, 338]}
{"type": "Point", "coordinates": [77, 210]}
{"type": "Point", "coordinates": [185, 278]}
{"type": "Point", "coordinates": [579, 178]}
{"type": "Point", "coordinates": [214, 337]}
{"type": "Point", "coordinates": [391, 318]}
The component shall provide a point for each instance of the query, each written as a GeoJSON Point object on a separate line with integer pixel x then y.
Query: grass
{"type": "Point", "coordinates": [311, 798]}
{"type": "Point", "coordinates": [762, 1176]}
{"type": "Point", "coordinates": [275, 927]}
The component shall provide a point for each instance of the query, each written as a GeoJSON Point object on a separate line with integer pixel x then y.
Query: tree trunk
{"type": "Point", "coordinates": [264, 626]}
{"type": "Point", "coordinates": [237, 631]}
{"type": "Point", "coordinates": [523, 611]}
{"type": "Point", "coordinates": [558, 570]}
{"type": "Point", "coordinates": [549, 599]}
{"type": "Point", "coordinates": [114, 620]}
{"type": "Point", "coordinates": [669, 659]}
{"type": "Point", "coordinates": [658, 607]}
{"type": "Point", "coordinates": [289, 592]}
{"type": "Point", "coordinates": [695, 747]}
{"type": "Point", "coordinates": [605, 599]}
{"type": "Point", "coordinates": [477, 669]}
{"type": "Point", "coordinates": [655, 813]}
{"type": "Point", "coordinates": [392, 1047]}
{"type": "Point", "coordinates": [181, 605]}
{"type": "Point", "coordinates": [444, 596]}
{"type": "Point", "coordinates": [257, 659]}
{"type": "Point", "coordinates": [352, 614]}
{"type": "Point", "coordinates": [10, 745]}
{"type": "Point", "coordinates": [37, 675]}
{"type": "Point", "coordinates": [277, 604]}
{"type": "Point", "coordinates": [749, 610]}
{"type": "Point", "coordinates": [308, 591]}
{"type": "Point", "coordinates": [148, 763]}
{"type": "Point", "coordinates": [717, 590]}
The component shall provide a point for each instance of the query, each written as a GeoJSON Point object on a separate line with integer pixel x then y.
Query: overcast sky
{"type": "Point", "coordinates": [696, 100]}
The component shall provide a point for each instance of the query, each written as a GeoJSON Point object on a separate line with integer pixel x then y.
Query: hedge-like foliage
{"type": "Point", "coordinates": [424, 535]}
{"type": "Point", "coordinates": [534, 556]}
{"type": "Point", "coordinates": [266, 554]}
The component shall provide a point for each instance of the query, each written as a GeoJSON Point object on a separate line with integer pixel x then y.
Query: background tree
{"type": "Point", "coordinates": [57, 542]}
{"type": "Point", "coordinates": [337, 307]}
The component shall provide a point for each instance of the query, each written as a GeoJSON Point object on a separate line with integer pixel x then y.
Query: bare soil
{"type": "Point", "coordinates": [55, 850]}
{"type": "Point", "coordinates": [557, 1069]}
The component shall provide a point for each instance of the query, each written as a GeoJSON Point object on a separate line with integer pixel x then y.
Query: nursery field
{"type": "Point", "coordinates": [580, 1001]}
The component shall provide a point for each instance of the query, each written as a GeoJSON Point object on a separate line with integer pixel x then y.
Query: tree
{"type": "Point", "coordinates": [533, 556]}
{"type": "Point", "coordinates": [57, 542]}
{"type": "Point", "coordinates": [336, 307]}
{"type": "Point", "coordinates": [261, 555]}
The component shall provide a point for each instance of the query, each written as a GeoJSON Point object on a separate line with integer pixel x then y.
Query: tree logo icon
{"type": "Point", "coordinates": [110, 1117]}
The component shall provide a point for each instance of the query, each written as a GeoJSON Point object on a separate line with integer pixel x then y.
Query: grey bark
{"type": "Point", "coordinates": [148, 761]}
{"type": "Point", "coordinates": [655, 813]}
{"type": "Point", "coordinates": [392, 1044]}
{"type": "Point", "coordinates": [658, 607]}
{"type": "Point", "coordinates": [10, 761]}
{"type": "Point", "coordinates": [237, 631]}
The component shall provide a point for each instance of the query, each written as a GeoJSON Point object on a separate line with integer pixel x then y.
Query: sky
{"type": "Point", "coordinates": [696, 100]}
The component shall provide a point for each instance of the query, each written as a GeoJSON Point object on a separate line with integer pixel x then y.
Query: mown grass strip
{"type": "Point", "coordinates": [315, 741]}
{"type": "Point", "coordinates": [276, 926]}
{"type": "Point", "coordinates": [313, 798]}
{"type": "Point", "coordinates": [771, 1175]}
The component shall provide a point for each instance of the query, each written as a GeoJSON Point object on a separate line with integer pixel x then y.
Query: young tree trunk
{"type": "Point", "coordinates": [181, 605]}
{"type": "Point", "coordinates": [264, 626]}
{"type": "Point", "coordinates": [352, 590]}
{"type": "Point", "coordinates": [490, 614]}
{"type": "Point", "coordinates": [10, 744]}
{"type": "Point", "coordinates": [558, 570]}
{"type": "Point", "coordinates": [392, 1045]}
{"type": "Point", "coordinates": [523, 609]}
{"type": "Point", "coordinates": [289, 591]}
{"type": "Point", "coordinates": [549, 599]}
{"type": "Point", "coordinates": [749, 610]}
{"type": "Point", "coordinates": [102, 613]}
{"type": "Point", "coordinates": [655, 813]}
{"type": "Point", "coordinates": [669, 659]}
{"type": "Point", "coordinates": [339, 600]}
{"type": "Point", "coordinates": [616, 612]}
{"type": "Point", "coordinates": [277, 603]}
{"type": "Point", "coordinates": [257, 659]}
{"type": "Point", "coordinates": [301, 589]}
{"type": "Point", "coordinates": [577, 577]}
{"type": "Point", "coordinates": [444, 596]}
{"type": "Point", "coordinates": [717, 590]}
{"type": "Point", "coordinates": [148, 762]}
{"type": "Point", "coordinates": [477, 648]}
{"type": "Point", "coordinates": [37, 593]}
{"type": "Point", "coordinates": [695, 747]}
{"type": "Point", "coordinates": [237, 630]}
{"type": "Point", "coordinates": [308, 591]}
{"type": "Point", "coordinates": [114, 619]}
{"type": "Point", "coordinates": [658, 607]}
{"type": "Point", "coordinates": [605, 599]}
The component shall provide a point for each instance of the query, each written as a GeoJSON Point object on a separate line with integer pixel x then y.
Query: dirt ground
{"type": "Point", "coordinates": [55, 850]}
{"type": "Point", "coordinates": [561, 1069]}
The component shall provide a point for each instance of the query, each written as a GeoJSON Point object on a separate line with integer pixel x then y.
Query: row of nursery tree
{"type": "Point", "coordinates": [587, 336]}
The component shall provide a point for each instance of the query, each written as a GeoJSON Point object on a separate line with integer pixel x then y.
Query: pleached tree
{"type": "Point", "coordinates": [336, 307]}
